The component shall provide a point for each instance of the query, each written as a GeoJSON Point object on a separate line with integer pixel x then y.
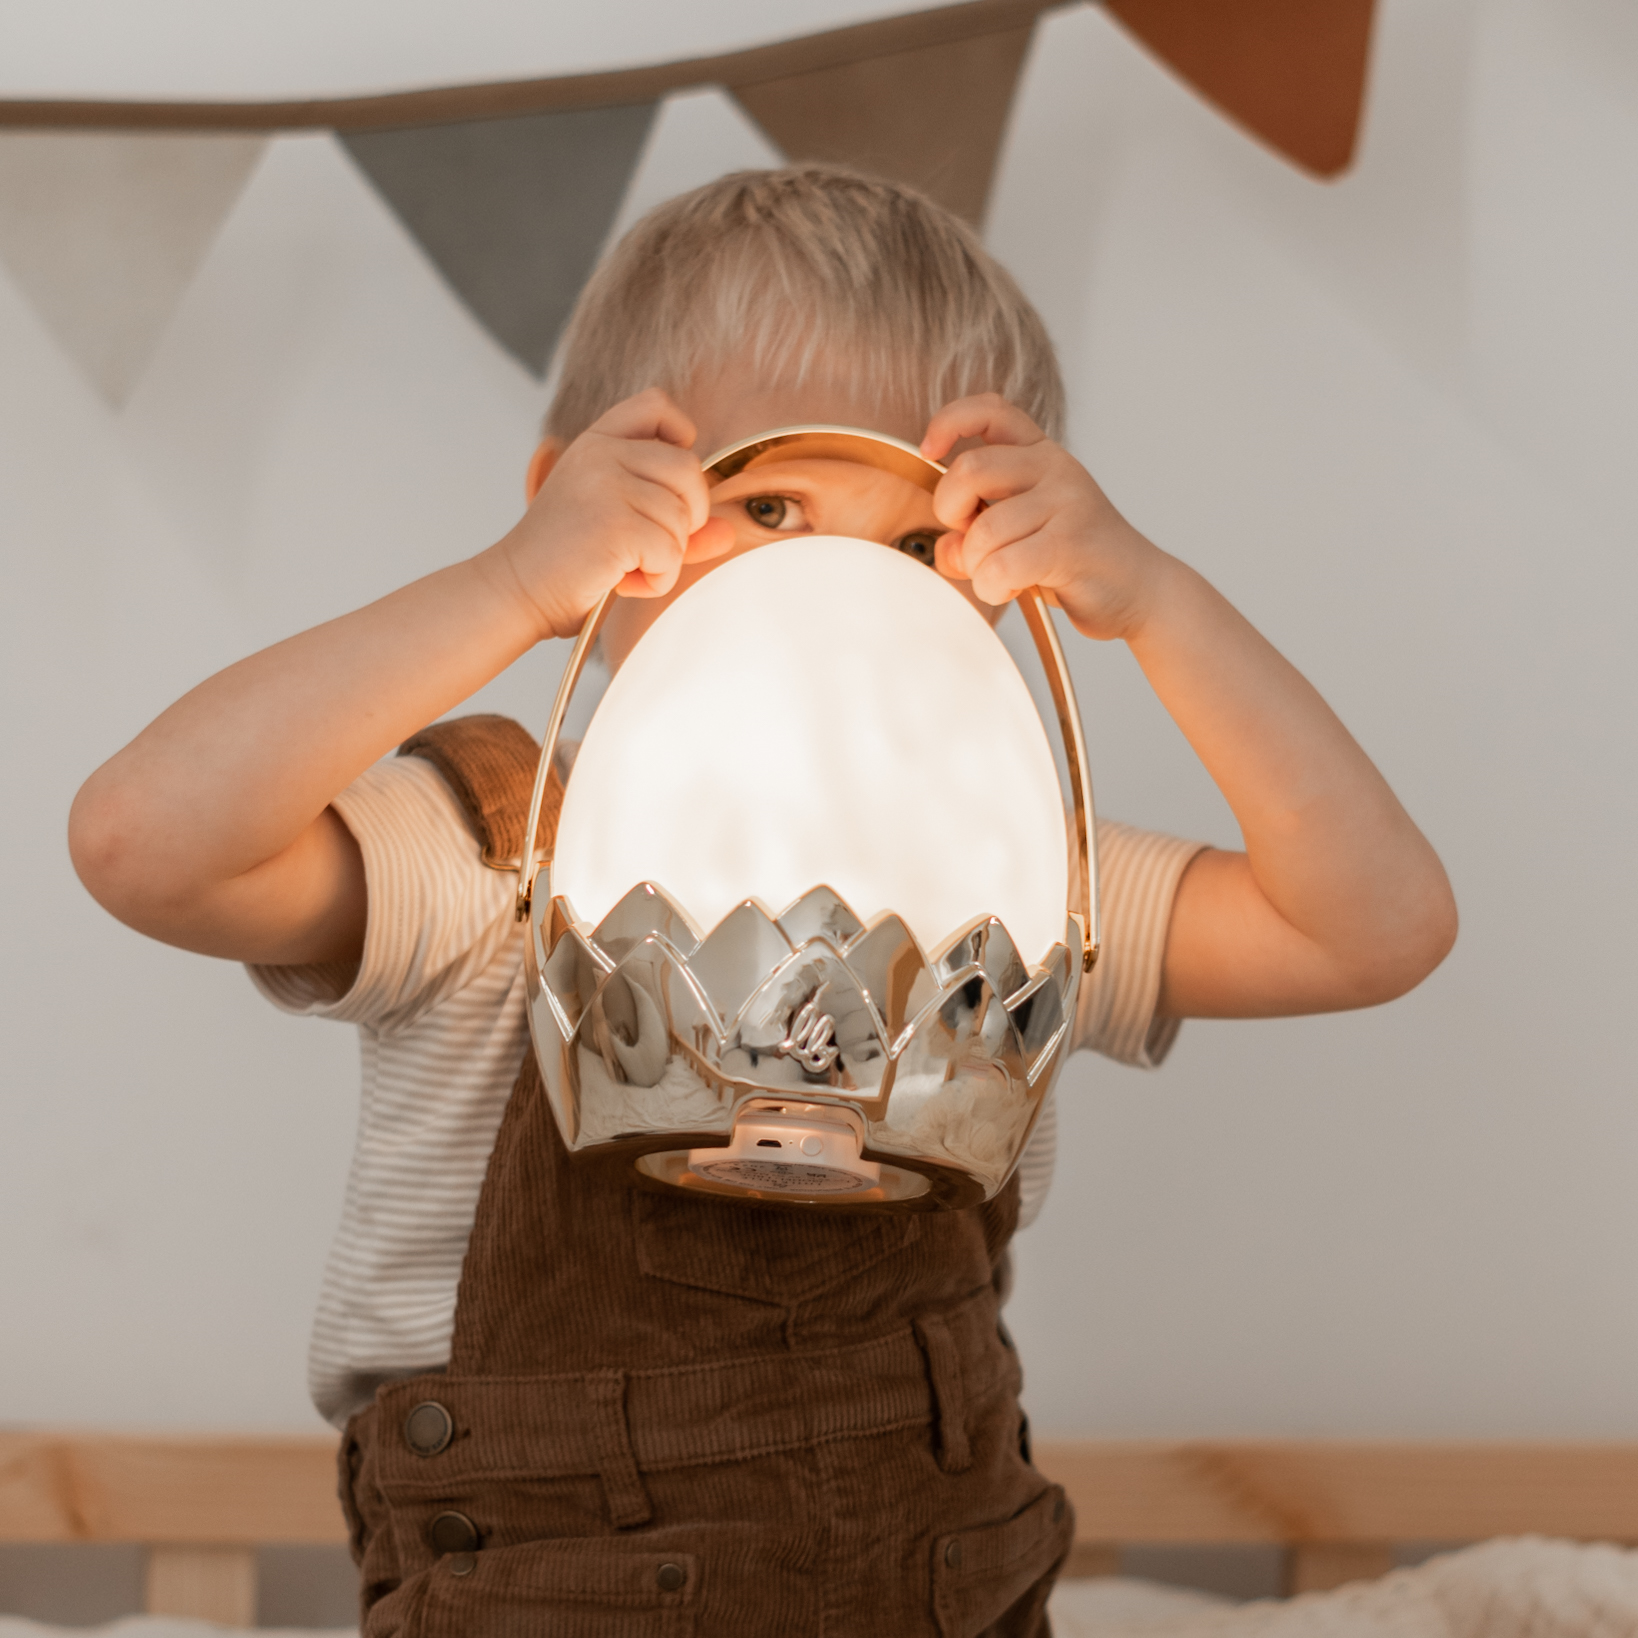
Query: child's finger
{"type": "Point", "coordinates": [986, 415]}
{"type": "Point", "coordinates": [982, 477]}
{"type": "Point", "coordinates": [662, 506]}
{"type": "Point", "coordinates": [657, 572]}
{"type": "Point", "coordinates": [1008, 572]}
{"type": "Point", "coordinates": [634, 583]}
{"type": "Point", "coordinates": [713, 537]}
{"type": "Point", "coordinates": [999, 526]}
{"type": "Point", "coordinates": [673, 469]}
{"type": "Point", "coordinates": [948, 556]}
{"type": "Point", "coordinates": [649, 414]}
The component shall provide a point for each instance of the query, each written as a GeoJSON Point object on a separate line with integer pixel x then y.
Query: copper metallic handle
{"type": "Point", "coordinates": [906, 461]}
{"type": "Point", "coordinates": [1038, 617]}
{"type": "Point", "coordinates": [532, 856]}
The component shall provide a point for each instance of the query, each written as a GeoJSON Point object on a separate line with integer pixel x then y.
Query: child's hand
{"type": "Point", "coordinates": [622, 509]}
{"type": "Point", "coordinates": [1338, 900]}
{"type": "Point", "coordinates": [1023, 512]}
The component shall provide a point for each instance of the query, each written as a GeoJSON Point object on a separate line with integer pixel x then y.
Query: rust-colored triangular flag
{"type": "Point", "coordinates": [1291, 71]}
{"type": "Point", "coordinates": [104, 231]}
{"type": "Point", "coordinates": [932, 116]}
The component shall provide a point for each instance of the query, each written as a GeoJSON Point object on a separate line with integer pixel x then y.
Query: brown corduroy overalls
{"type": "Point", "coordinates": [666, 1415]}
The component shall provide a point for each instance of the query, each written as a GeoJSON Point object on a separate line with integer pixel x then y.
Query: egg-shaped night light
{"type": "Point", "coordinates": [809, 927]}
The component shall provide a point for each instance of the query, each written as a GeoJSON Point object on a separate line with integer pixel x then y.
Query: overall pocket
{"type": "Point", "coordinates": [587, 1588]}
{"type": "Point", "coordinates": [993, 1581]}
{"type": "Point", "coordinates": [772, 1256]}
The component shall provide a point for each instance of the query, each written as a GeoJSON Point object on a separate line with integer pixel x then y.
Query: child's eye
{"type": "Point", "coordinates": [776, 512]}
{"type": "Point", "coordinates": [921, 546]}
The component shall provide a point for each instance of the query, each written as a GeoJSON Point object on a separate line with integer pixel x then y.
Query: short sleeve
{"type": "Point", "coordinates": [1138, 873]}
{"type": "Point", "coordinates": [436, 913]}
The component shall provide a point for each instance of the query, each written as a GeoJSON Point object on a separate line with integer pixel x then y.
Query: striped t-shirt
{"type": "Point", "coordinates": [438, 998]}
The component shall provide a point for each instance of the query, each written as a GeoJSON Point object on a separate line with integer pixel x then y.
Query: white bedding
{"type": "Point", "coordinates": [1526, 1588]}
{"type": "Point", "coordinates": [1106, 1608]}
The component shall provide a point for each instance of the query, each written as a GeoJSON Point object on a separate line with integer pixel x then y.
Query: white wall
{"type": "Point", "coordinates": [259, 49]}
{"type": "Point", "coordinates": [1391, 417]}
{"type": "Point", "coordinates": [1395, 421]}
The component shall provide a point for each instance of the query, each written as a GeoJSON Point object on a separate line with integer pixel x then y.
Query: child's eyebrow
{"type": "Point", "coordinates": [758, 479]}
{"type": "Point", "coordinates": [745, 487]}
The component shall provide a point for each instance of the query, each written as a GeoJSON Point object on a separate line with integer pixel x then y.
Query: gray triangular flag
{"type": "Point", "coordinates": [103, 233]}
{"type": "Point", "coordinates": [512, 211]}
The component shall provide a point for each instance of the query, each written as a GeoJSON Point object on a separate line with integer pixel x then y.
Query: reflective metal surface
{"type": "Point", "coordinates": [645, 1033]}
{"type": "Point", "coordinates": [659, 1036]}
{"type": "Point", "coordinates": [985, 944]}
{"type": "Point", "coordinates": [816, 443]}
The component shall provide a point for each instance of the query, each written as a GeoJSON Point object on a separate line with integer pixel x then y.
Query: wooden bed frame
{"type": "Point", "coordinates": [202, 1505]}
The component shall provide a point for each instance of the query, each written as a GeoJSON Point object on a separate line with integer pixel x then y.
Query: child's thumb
{"type": "Point", "coordinates": [947, 555]}
{"type": "Point", "coordinates": [711, 539]}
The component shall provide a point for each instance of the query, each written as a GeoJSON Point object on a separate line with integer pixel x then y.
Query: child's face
{"type": "Point", "coordinates": [779, 499]}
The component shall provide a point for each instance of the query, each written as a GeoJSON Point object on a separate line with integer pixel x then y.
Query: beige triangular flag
{"type": "Point", "coordinates": [103, 232]}
{"type": "Point", "coordinates": [932, 116]}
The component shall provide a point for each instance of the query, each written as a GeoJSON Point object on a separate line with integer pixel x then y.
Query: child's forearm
{"type": "Point", "coordinates": [1338, 900]}
{"type": "Point", "coordinates": [211, 829]}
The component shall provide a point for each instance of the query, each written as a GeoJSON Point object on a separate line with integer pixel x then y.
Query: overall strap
{"type": "Point", "coordinates": [489, 763]}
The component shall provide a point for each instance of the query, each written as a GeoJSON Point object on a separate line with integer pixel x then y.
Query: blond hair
{"type": "Point", "coordinates": [790, 272]}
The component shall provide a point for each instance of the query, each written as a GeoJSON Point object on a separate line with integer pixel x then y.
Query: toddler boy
{"type": "Point", "coordinates": [569, 1404]}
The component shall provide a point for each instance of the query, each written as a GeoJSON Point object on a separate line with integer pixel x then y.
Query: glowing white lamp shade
{"type": "Point", "coordinates": [821, 710]}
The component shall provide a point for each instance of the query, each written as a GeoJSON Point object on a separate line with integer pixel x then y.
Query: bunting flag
{"type": "Point", "coordinates": [103, 233]}
{"type": "Point", "coordinates": [513, 212]}
{"type": "Point", "coordinates": [511, 189]}
{"type": "Point", "coordinates": [932, 116]}
{"type": "Point", "coordinates": [1291, 71]}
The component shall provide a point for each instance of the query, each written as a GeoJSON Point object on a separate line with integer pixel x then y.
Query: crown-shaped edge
{"type": "Point", "coordinates": [895, 973]}
{"type": "Point", "coordinates": [757, 1050]}
{"type": "Point", "coordinates": [652, 997]}
{"type": "Point", "coordinates": [968, 1026]}
{"type": "Point", "coordinates": [646, 909]}
{"type": "Point", "coordinates": [572, 975]}
{"type": "Point", "coordinates": [1038, 1015]}
{"type": "Point", "coordinates": [899, 988]}
{"type": "Point", "coordinates": [734, 959]}
{"type": "Point", "coordinates": [965, 1013]}
{"type": "Point", "coordinates": [630, 1079]}
{"type": "Point", "coordinates": [984, 942]}
{"type": "Point", "coordinates": [962, 1039]}
{"type": "Point", "coordinates": [1062, 964]}
{"type": "Point", "coordinates": [821, 912]}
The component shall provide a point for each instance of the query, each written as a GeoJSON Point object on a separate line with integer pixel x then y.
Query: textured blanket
{"type": "Point", "coordinates": [1526, 1588]}
{"type": "Point", "coordinates": [1504, 1589]}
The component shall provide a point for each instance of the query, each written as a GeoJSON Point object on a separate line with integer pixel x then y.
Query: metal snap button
{"type": "Point", "coordinates": [453, 1533]}
{"type": "Point", "coordinates": [670, 1577]}
{"type": "Point", "coordinates": [463, 1564]}
{"type": "Point", "coordinates": [953, 1555]}
{"type": "Point", "coordinates": [428, 1428]}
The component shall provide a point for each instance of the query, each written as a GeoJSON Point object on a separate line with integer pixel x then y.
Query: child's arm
{"type": "Point", "coordinates": [1338, 900]}
{"type": "Point", "coordinates": [212, 828]}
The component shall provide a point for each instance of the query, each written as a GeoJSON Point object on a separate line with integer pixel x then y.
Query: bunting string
{"type": "Point", "coordinates": [107, 208]}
